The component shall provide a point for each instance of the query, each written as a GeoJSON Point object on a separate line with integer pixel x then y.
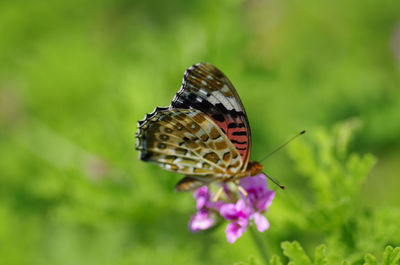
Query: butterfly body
{"type": "Point", "coordinates": [203, 134]}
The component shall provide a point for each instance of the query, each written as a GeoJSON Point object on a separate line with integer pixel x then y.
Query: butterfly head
{"type": "Point", "coordinates": [254, 168]}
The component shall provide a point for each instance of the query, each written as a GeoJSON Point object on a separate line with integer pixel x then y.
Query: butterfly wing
{"type": "Point", "coordinates": [187, 141]}
{"type": "Point", "coordinates": [207, 89]}
{"type": "Point", "coordinates": [191, 183]}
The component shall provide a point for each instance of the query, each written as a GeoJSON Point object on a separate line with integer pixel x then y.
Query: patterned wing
{"type": "Point", "coordinates": [207, 89]}
{"type": "Point", "coordinates": [187, 141]}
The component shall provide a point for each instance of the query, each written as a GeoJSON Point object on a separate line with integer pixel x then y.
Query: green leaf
{"type": "Point", "coordinates": [297, 256]}
{"type": "Point", "coordinates": [275, 260]}
{"type": "Point", "coordinates": [369, 259]}
{"type": "Point", "coordinates": [253, 261]}
{"type": "Point", "coordinates": [391, 256]}
{"type": "Point", "coordinates": [320, 255]}
{"type": "Point", "coordinates": [295, 253]}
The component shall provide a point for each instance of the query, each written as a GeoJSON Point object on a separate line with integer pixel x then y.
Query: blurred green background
{"type": "Point", "coordinates": [75, 76]}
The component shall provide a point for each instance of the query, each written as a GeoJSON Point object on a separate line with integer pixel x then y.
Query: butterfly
{"type": "Point", "coordinates": [203, 134]}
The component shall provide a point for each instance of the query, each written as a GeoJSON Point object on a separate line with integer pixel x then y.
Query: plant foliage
{"type": "Point", "coordinates": [331, 211]}
{"type": "Point", "coordinates": [296, 255]}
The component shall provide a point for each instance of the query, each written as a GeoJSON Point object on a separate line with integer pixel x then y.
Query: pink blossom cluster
{"type": "Point", "coordinates": [239, 211]}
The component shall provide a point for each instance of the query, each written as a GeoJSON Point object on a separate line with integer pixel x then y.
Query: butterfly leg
{"type": "Point", "coordinates": [218, 194]}
{"type": "Point", "coordinates": [242, 190]}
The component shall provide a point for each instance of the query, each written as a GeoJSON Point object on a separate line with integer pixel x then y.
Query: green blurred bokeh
{"type": "Point", "coordinates": [75, 76]}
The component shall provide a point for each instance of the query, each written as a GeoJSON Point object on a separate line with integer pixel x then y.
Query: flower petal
{"type": "Point", "coordinates": [261, 222]}
{"type": "Point", "coordinates": [202, 197]}
{"type": "Point", "coordinates": [258, 194]}
{"type": "Point", "coordinates": [265, 200]}
{"type": "Point", "coordinates": [234, 231]}
{"type": "Point", "coordinates": [228, 211]}
{"type": "Point", "coordinates": [258, 182]}
{"type": "Point", "coordinates": [200, 221]}
{"type": "Point", "coordinates": [240, 206]}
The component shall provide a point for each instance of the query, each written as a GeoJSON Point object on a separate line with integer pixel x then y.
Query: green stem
{"type": "Point", "coordinates": [260, 244]}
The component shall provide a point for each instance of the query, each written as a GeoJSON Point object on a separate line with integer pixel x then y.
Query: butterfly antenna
{"type": "Point", "coordinates": [283, 145]}
{"type": "Point", "coordinates": [274, 181]}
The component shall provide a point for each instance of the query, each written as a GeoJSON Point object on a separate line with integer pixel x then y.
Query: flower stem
{"type": "Point", "coordinates": [260, 244]}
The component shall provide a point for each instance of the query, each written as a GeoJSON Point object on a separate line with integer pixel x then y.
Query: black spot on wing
{"type": "Point", "coordinates": [189, 100]}
{"type": "Point", "coordinates": [215, 138]}
{"type": "Point", "coordinates": [145, 156]}
{"type": "Point", "coordinates": [240, 133]}
{"type": "Point", "coordinates": [218, 117]}
{"type": "Point", "coordinates": [237, 142]}
{"type": "Point", "coordinates": [192, 99]}
{"type": "Point", "coordinates": [235, 125]}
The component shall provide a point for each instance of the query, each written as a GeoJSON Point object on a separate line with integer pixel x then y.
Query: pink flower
{"type": "Point", "coordinates": [240, 211]}
{"type": "Point", "coordinates": [259, 197]}
{"type": "Point", "coordinates": [238, 214]}
{"type": "Point", "coordinates": [258, 194]}
{"type": "Point", "coordinates": [204, 217]}
{"type": "Point", "coordinates": [202, 220]}
{"type": "Point", "coordinates": [202, 197]}
{"type": "Point", "coordinates": [260, 221]}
